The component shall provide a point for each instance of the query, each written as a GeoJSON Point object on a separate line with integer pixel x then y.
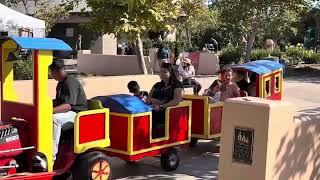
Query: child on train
{"type": "Point", "coordinates": [229, 88]}
{"type": "Point", "coordinates": [134, 88]}
{"type": "Point", "coordinates": [213, 92]}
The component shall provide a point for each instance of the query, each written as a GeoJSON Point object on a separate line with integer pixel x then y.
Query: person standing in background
{"type": "Point", "coordinates": [78, 45]}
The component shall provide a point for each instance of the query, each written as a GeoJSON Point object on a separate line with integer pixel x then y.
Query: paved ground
{"type": "Point", "coordinates": [201, 162]}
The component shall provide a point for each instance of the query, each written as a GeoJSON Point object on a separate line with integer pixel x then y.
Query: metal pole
{"type": "Point", "coordinates": [19, 149]}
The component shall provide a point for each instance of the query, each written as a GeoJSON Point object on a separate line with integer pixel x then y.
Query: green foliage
{"type": "Point", "coordinates": [294, 54]}
{"type": "Point", "coordinates": [311, 57]}
{"type": "Point", "coordinates": [231, 55]}
{"type": "Point", "coordinates": [257, 54]}
{"type": "Point", "coordinates": [23, 70]}
{"type": "Point", "coordinates": [181, 45]}
{"type": "Point", "coordinates": [272, 19]}
{"type": "Point", "coordinates": [51, 14]}
{"type": "Point", "coordinates": [136, 16]}
{"type": "Point", "coordinates": [276, 53]}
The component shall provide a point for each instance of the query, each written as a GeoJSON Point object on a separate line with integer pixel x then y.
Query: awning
{"type": "Point", "coordinates": [8, 15]}
{"type": "Point", "coordinates": [39, 43]}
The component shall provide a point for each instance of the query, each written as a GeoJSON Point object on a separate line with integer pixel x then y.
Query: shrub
{"type": "Point", "coordinates": [230, 55]}
{"type": "Point", "coordinates": [315, 58]}
{"type": "Point", "coordinates": [182, 46]}
{"type": "Point", "coordinates": [23, 70]}
{"type": "Point", "coordinates": [276, 53]}
{"type": "Point", "coordinates": [257, 54]}
{"type": "Point", "coordinates": [294, 54]}
{"type": "Point", "coordinates": [311, 57]}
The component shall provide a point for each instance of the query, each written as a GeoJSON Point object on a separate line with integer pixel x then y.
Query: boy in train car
{"type": "Point", "coordinates": [134, 88]}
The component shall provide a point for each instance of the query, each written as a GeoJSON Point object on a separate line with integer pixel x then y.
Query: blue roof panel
{"type": "Point", "coordinates": [260, 66]}
{"type": "Point", "coordinates": [123, 103]}
{"type": "Point", "coordinates": [40, 43]}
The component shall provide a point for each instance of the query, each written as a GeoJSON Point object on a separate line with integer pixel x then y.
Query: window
{"type": "Point", "coordinates": [277, 83]}
{"type": "Point", "coordinates": [267, 90]}
{"type": "Point", "coordinates": [18, 86]}
{"type": "Point", "coordinates": [69, 32]}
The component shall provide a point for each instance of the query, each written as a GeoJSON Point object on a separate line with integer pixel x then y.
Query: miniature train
{"type": "Point", "coordinates": [114, 126]}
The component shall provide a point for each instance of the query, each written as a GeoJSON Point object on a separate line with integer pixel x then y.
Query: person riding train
{"type": "Point", "coordinates": [166, 93]}
{"type": "Point", "coordinates": [70, 99]}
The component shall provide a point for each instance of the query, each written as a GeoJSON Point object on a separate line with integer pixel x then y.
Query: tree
{"type": "Point", "coordinates": [49, 12]}
{"type": "Point", "coordinates": [196, 27]}
{"type": "Point", "coordinates": [254, 17]}
{"type": "Point", "coordinates": [136, 17]}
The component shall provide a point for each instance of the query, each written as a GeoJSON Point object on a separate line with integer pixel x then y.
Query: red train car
{"type": "Point", "coordinates": [26, 128]}
{"type": "Point", "coordinates": [266, 76]}
{"type": "Point", "coordinates": [206, 117]}
{"type": "Point", "coordinates": [131, 130]}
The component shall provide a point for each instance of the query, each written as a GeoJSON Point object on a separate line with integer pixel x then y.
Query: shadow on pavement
{"type": "Point", "coordinates": [200, 162]}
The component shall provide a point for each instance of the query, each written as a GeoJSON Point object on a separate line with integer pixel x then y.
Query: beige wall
{"type": "Point", "coordinates": [283, 149]}
{"type": "Point", "coordinates": [114, 65]}
{"type": "Point", "coordinates": [208, 62]}
{"type": "Point", "coordinates": [106, 44]}
{"type": "Point", "coordinates": [94, 86]}
{"type": "Point", "coordinates": [109, 43]}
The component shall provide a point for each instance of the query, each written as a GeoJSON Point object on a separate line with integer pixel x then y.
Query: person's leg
{"type": "Point", "coordinates": [197, 87]}
{"type": "Point", "coordinates": [59, 120]}
{"type": "Point", "coordinates": [160, 64]}
{"type": "Point", "coordinates": [158, 119]}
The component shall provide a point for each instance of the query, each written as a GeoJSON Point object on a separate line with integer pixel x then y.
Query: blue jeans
{"type": "Point", "coordinates": [61, 121]}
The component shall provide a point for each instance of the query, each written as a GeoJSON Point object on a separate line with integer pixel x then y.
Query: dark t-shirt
{"type": "Point", "coordinates": [142, 95]}
{"type": "Point", "coordinates": [165, 94]}
{"type": "Point", "coordinates": [243, 85]}
{"type": "Point", "coordinates": [70, 91]}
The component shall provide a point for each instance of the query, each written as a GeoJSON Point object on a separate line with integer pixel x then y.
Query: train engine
{"type": "Point", "coordinates": [10, 146]}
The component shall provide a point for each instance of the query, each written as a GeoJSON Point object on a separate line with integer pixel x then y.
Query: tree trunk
{"type": "Point", "coordinates": [317, 22]}
{"type": "Point", "coordinates": [252, 37]}
{"type": "Point", "coordinates": [140, 55]}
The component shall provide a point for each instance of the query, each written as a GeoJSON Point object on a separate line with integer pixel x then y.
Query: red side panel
{"type": "Point", "coordinates": [27, 129]}
{"type": "Point", "coordinates": [65, 158]}
{"type": "Point", "coordinates": [258, 85]}
{"type": "Point", "coordinates": [197, 123]}
{"type": "Point", "coordinates": [92, 128]}
{"type": "Point", "coordinates": [179, 124]}
{"type": "Point", "coordinates": [178, 129]}
{"type": "Point", "coordinates": [141, 132]}
{"type": "Point", "coordinates": [274, 95]}
{"type": "Point", "coordinates": [33, 176]}
{"type": "Point", "coordinates": [215, 120]}
{"type": "Point", "coordinates": [119, 132]}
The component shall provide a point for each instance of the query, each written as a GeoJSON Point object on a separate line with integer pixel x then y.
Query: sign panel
{"type": "Point", "coordinates": [243, 145]}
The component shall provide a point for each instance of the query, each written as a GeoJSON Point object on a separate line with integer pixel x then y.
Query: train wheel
{"type": "Point", "coordinates": [170, 160]}
{"type": "Point", "coordinates": [193, 142]}
{"type": "Point", "coordinates": [92, 166]}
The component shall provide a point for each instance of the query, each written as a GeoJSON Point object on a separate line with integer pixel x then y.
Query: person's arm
{"type": "Point", "coordinates": [216, 97]}
{"type": "Point", "coordinates": [69, 100]}
{"type": "Point", "coordinates": [236, 90]}
{"type": "Point", "coordinates": [205, 93]}
{"type": "Point", "coordinates": [62, 108]}
{"type": "Point", "coordinates": [178, 93]}
{"type": "Point", "coordinates": [54, 102]}
{"type": "Point", "coordinates": [246, 77]}
{"type": "Point", "coordinates": [192, 71]}
{"type": "Point", "coordinates": [151, 100]}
